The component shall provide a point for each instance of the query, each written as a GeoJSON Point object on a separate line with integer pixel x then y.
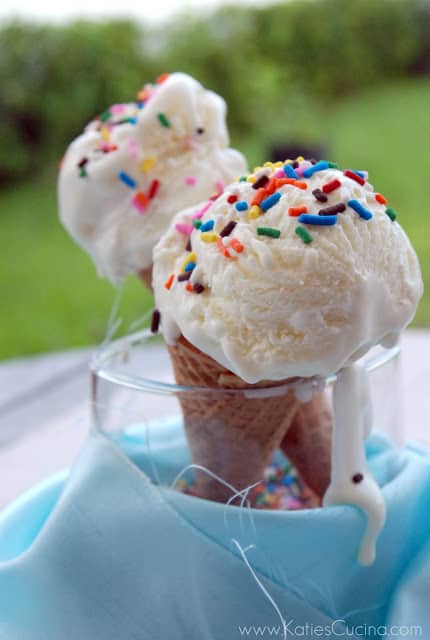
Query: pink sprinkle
{"type": "Point", "coordinates": [302, 166]}
{"type": "Point", "coordinates": [117, 108]}
{"type": "Point", "coordinates": [201, 213]}
{"type": "Point", "coordinates": [132, 147]}
{"type": "Point", "coordinates": [279, 173]}
{"type": "Point", "coordinates": [219, 186]}
{"type": "Point", "coordinates": [138, 205]}
{"type": "Point", "coordinates": [184, 228]}
{"type": "Point", "coordinates": [190, 181]}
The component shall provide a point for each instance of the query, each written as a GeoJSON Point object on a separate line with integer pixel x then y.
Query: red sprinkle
{"type": "Point", "coordinates": [225, 252]}
{"type": "Point", "coordinates": [215, 196]}
{"type": "Point", "coordinates": [189, 287]}
{"type": "Point", "coordinates": [153, 189]}
{"type": "Point", "coordinates": [331, 186]}
{"type": "Point", "coordinates": [380, 198]}
{"type": "Point", "coordinates": [296, 211]}
{"type": "Point", "coordinates": [354, 176]}
{"type": "Point", "coordinates": [169, 281]}
{"type": "Point", "coordinates": [232, 199]}
{"type": "Point", "coordinates": [236, 245]}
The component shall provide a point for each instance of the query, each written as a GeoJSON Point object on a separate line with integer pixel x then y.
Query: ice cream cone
{"type": "Point", "coordinates": [307, 443]}
{"type": "Point", "coordinates": [145, 275]}
{"type": "Point", "coordinates": [230, 433]}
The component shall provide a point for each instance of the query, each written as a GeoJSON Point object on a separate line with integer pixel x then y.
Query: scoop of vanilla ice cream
{"type": "Point", "coordinates": [274, 293]}
{"type": "Point", "coordinates": [139, 163]}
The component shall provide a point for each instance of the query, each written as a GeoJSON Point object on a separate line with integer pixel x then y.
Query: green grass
{"type": "Point", "coordinates": [52, 298]}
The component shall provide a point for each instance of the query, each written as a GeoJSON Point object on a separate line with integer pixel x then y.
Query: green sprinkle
{"type": "Point", "coordinates": [164, 120]}
{"type": "Point", "coordinates": [304, 235]}
{"type": "Point", "coordinates": [268, 231]}
{"type": "Point", "coordinates": [83, 172]}
{"type": "Point", "coordinates": [333, 165]}
{"type": "Point", "coordinates": [242, 179]}
{"type": "Point", "coordinates": [197, 224]}
{"type": "Point", "coordinates": [105, 116]}
{"type": "Point", "coordinates": [391, 213]}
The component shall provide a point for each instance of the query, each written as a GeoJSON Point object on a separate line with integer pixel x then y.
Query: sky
{"type": "Point", "coordinates": [149, 10]}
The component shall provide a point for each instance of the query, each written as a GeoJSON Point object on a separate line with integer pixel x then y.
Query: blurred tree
{"type": "Point", "coordinates": [274, 66]}
{"type": "Point", "coordinates": [54, 79]}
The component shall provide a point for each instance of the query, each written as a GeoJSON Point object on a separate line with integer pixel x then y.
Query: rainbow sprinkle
{"type": "Point", "coordinates": [266, 183]}
{"type": "Point", "coordinates": [358, 208]}
{"type": "Point", "coordinates": [268, 231]}
{"type": "Point", "coordinates": [303, 234]}
{"type": "Point", "coordinates": [281, 488]}
{"type": "Point", "coordinates": [127, 179]}
{"type": "Point", "coordinates": [164, 120]}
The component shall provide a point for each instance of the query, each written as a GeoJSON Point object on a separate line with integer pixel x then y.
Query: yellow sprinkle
{"type": "Point", "coordinates": [300, 158]}
{"type": "Point", "coordinates": [268, 164]}
{"type": "Point", "coordinates": [147, 164]}
{"type": "Point", "coordinates": [251, 178]}
{"type": "Point", "coordinates": [254, 211]}
{"type": "Point", "coordinates": [105, 134]}
{"type": "Point", "coordinates": [289, 161]}
{"type": "Point", "coordinates": [208, 236]}
{"type": "Point", "coordinates": [257, 169]}
{"type": "Point", "coordinates": [191, 257]}
{"type": "Point", "coordinates": [278, 164]}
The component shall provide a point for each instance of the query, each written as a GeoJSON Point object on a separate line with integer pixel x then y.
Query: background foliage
{"type": "Point", "coordinates": [352, 77]}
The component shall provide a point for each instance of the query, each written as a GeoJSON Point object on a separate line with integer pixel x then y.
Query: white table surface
{"type": "Point", "coordinates": [45, 411]}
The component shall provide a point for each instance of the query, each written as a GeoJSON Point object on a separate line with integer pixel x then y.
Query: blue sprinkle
{"type": "Point", "coordinates": [241, 205]}
{"type": "Point", "coordinates": [358, 208]}
{"type": "Point", "coordinates": [319, 166]}
{"type": "Point", "coordinates": [287, 481]}
{"type": "Point", "coordinates": [128, 180]}
{"type": "Point", "coordinates": [132, 120]}
{"type": "Point", "coordinates": [207, 226]}
{"type": "Point", "coordinates": [320, 221]}
{"type": "Point", "coordinates": [271, 487]}
{"type": "Point", "coordinates": [359, 173]}
{"type": "Point", "coordinates": [189, 266]}
{"type": "Point", "coordinates": [269, 202]}
{"type": "Point", "coordinates": [289, 172]}
{"type": "Point", "coordinates": [140, 105]}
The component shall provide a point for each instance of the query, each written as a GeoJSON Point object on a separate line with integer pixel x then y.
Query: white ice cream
{"type": "Point", "coordinates": [307, 302]}
{"type": "Point", "coordinates": [174, 135]}
{"type": "Point", "coordinates": [282, 308]}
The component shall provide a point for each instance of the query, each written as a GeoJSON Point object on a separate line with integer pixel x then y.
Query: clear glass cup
{"type": "Point", "coordinates": [134, 396]}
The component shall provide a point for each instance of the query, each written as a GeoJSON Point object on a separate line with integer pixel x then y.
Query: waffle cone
{"type": "Point", "coordinates": [229, 432]}
{"type": "Point", "coordinates": [145, 275]}
{"type": "Point", "coordinates": [307, 443]}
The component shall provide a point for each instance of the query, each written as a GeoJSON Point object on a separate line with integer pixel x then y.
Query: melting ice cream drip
{"type": "Point", "coordinates": [351, 481]}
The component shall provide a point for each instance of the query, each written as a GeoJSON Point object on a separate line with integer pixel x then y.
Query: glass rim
{"type": "Point", "coordinates": [99, 366]}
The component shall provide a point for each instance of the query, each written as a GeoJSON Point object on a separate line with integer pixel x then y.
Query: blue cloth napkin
{"type": "Point", "coordinates": [108, 554]}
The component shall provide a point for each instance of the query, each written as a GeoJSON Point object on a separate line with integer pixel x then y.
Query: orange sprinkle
{"type": "Point", "coordinates": [162, 78]}
{"type": "Point", "coordinates": [225, 252]}
{"type": "Point", "coordinates": [236, 245]}
{"type": "Point", "coordinates": [189, 287]}
{"type": "Point", "coordinates": [380, 198]}
{"type": "Point", "coordinates": [296, 211]}
{"type": "Point", "coordinates": [143, 94]}
{"type": "Point", "coordinates": [259, 196]}
{"type": "Point", "coordinates": [169, 281]}
{"type": "Point", "coordinates": [281, 181]}
{"type": "Point", "coordinates": [271, 186]}
{"type": "Point", "coordinates": [141, 199]}
{"type": "Point", "coordinates": [300, 185]}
